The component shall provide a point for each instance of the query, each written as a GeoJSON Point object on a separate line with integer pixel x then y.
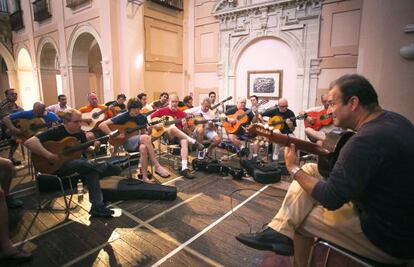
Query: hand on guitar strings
{"type": "Point", "coordinates": [291, 158]}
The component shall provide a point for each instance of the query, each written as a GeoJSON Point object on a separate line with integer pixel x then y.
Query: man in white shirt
{"type": "Point", "coordinates": [60, 107]}
{"type": "Point", "coordinates": [207, 130]}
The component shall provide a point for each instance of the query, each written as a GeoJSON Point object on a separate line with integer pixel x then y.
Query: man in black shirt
{"type": "Point", "coordinates": [287, 127]}
{"type": "Point", "coordinates": [162, 102]}
{"type": "Point", "coordinates": [118, 105]}
{"type": "Point", "coordinates": [239, 136]}
{"type": "Point", "coordinates": [92, 173]}
{"type": "Point", "coordinates": [366, 204]}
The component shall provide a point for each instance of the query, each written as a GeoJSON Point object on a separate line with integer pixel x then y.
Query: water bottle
{"type": "Point", "coordinates": [79, 186]}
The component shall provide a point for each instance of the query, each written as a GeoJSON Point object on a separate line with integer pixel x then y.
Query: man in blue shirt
{"type": "Point", "coordinates": [138, 142]}
{"type": "Point", "coordinates": [38, 111]}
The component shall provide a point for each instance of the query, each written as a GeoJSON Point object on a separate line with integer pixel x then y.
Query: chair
{"type": "Point", "coordinates": [52, 183]}
{"type": "Point", "coordinates": [326, 254]}
{"type": "Point", "coordinates": [173, 151]}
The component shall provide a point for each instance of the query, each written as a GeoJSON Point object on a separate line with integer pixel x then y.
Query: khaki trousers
{"type": "Point", "coordinates": [302, 218]}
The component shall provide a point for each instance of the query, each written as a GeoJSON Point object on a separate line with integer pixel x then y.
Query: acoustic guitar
{"type": "Point", "coordinates": [221, 102]}
{"type": "Point", "coordinates": [277, 122]}
{"type": "Point", "coordinates": [30, 127]}
{"type": "Point", "coordinates": [129, 129]}
{"type": "Point", "coordinates": [241, 117]}
{"type": "Point", "coordinates": [67, 149]}
{"type": "Point", "coordinates": [327, 153]}
{"type": "Point", "coordinates": [320, 119]}
{"type": "Point", "coordinates": [90, 120]}
{"type": "Point", "coordinates": [167, 122]}
{"type": "Point", "coordinates": [199, 121]}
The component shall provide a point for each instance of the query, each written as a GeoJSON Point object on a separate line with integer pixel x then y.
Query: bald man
{"type": "Point", "coordinates": [175, 133]}
{"type": "Point", "coordinates": [287, 115]}
{"type": "Point", "coordinates": [314, 135]}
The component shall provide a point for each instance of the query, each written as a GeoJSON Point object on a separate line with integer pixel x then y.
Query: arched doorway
{"type": "Point", "coordinates": [28, 90]}
{"type": "Point", "coordinates": [86, 68]}
{"type": "Point", "coordinates": [49, 73]}
{"type": "Point", "coordinates": [4, 77]}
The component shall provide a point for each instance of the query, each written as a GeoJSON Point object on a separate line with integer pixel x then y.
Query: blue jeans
{"type": "Point", "coordinates": [91, 173]}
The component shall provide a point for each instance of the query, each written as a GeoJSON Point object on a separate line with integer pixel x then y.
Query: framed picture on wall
{"type": "Point", "coordinates": [265, 83]}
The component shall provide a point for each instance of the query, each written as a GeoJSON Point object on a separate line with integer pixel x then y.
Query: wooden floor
{"type": "Point", "coordinates": [196, 229]}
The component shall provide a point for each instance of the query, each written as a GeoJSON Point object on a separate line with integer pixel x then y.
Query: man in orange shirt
{"type": "Point", "coordinates": [93, 103]}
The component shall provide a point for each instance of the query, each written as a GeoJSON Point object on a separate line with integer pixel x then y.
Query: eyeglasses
{"type": "Point", "coordinates": [283, 106]}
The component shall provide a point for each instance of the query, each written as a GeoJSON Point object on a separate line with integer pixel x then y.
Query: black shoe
{"type": "Point", "coordinates": [243, 152]}
{"type": "Point", "coordinates": [16, 162]}
{"type": "Point", "coordinates": [199, 146]}
{"type": "Point", "coordinates": [268, 239]}
{"type": "Point", "coordinates": [187, 174]}
{"type": "Point", "coordinates": [101, 211]}
{"type": "Point", "coordinates": [13, 203]}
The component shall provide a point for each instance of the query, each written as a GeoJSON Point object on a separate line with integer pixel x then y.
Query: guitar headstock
{"type": "Point", "coordinates": [258, 129]}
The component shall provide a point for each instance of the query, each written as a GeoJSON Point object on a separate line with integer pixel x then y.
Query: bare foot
{"type": "Point", "coordinates": [148, 181]}
{"type": "Point", "coordinates": [162, 172]}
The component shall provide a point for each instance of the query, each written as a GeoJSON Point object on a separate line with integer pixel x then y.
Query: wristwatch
{"type": "Point", "coordinates": [294, 171]}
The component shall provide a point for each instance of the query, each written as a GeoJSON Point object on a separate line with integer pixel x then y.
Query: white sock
{"type": "Point", "coordinates": [191, 140]}
{"type": "Point", "coordinates": [254, 155]}
{"type": "Point", "coordinates": [184, 165]}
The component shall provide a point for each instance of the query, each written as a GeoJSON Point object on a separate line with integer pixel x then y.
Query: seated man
{"type": "Point", "coordinates": [8, 253]}
{"type": "Point", "coordinates": [141, 143]}
{"type": "Point", "coordinates": [366, 203]}
{"type": "Point", "coordinates": [92, 173]}
{"type": "Point", "coordinates": [8, 106]}
{"type": "Point", "coordinates": [60, 107]}
{"type": "Point", "coordinates": [287, 127]}
{"type": "Point", "coordinates": [146, 108]}
{"type": "Point", "coordinates": [175, 132]}
{"type": "Point", "coordinates": [118, 105]}
{"type": "Point", "coordinates": [93, 103]}
{"type": "Point", "coordinates": [317, 136]}
{"type": "Point", "coordinates": [186, 104]}
{"type": "Point", "coordinates": [162, 102]}
{"type": "Point", "coordinates": [205, 130]}
{"type": "Point", "coordinates": [236, 137]}
{"type": "Point", "coordinates": [38, 111]}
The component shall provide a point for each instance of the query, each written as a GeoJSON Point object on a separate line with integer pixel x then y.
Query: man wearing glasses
{"type": "Point", "coordinates": [289, 125]}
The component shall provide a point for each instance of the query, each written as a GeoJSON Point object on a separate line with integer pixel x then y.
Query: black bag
{"type": "Point", "coordinates": [210, 166]}
{"type": "Point", "coordinates": [264, 173]}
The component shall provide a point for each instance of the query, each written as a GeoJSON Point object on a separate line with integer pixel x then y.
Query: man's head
{"type": "Point", "coordinates": [241, 103]}
{"type": "Point", "coordinates": [254, 100]}
{"type": "Point", "coordinates": [174, 102]}
{"type": "Point", "coordinates": [11, 94]}
{"type": "Point", "coordinates": [143, 98]}
{"type": "Point", "coordinates": [188, 101]}
{"type": "Point", "coordinates": [134, 107]}
{"type": "Point", "coordinates": [72, 120]}
{"type": "Point", "coordinates": [164, 98]}
{"type": "Point", "coordinates": [212, 96]}
{"type": "Point", "coordinates": [206, 104]}
{"type": "Point", "coordinates": [350, 97]}
{"type": "Point", "coordinates": [283, 105]}
{"type": "Point", "coordinates": [62, 100]}
{"type": "Point", "coordinates": [121, 98]}
{"type": "Point", "coordinates": [324, 100]}
{"type": "Point", "coordinates": [39, 109]}
{"type": "Point", "coordinates": [93, 99]}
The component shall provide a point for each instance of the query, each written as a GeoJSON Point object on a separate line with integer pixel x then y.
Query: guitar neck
{"type": "Point", "coordinates": [82, 146]}
{"type": "Point", "coordinates": [149, 112]}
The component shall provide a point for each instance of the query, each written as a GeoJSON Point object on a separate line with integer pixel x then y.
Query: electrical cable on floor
{"type": "Point", "coordinates": [241, 218]}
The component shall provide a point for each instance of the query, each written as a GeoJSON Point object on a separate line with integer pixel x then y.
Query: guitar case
{"type": "Point", "coordinates": [118, 188]}
{"type": "Point", "coordinates": [264, 173]}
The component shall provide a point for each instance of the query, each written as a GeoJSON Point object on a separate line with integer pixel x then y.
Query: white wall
{"type": "Point", "coordinates": [269, 54]}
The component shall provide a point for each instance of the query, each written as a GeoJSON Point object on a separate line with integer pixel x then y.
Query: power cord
{"type": "Point", "coordinates": [241, 218]}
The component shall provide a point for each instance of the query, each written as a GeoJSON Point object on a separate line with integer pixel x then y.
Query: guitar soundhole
{"type": "Point", "coordinates": [95, 115]}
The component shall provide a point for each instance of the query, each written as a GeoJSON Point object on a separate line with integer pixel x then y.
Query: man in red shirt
{"type": "Point", "coordinates": [175, 133]}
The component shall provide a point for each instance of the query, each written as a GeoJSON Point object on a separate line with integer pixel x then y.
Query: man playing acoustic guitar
{"type": "Point", "coordinates": [92, 173]}
{"type": "Point", "coordinates": [313, 121]}
{"type": "Point", "coordinates": [175, 133]}
{"type": "Point", "coordinates": [137, 142]}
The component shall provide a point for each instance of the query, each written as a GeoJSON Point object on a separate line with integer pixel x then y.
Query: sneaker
{"type": "Point", "coordinates": [187, 174]}
{"type": "Point", "coordinates": [268, 239]}
{"type": "Point", "coordinates": [13, 203]}
{"type": "Point", "coordinates": [101, 211]}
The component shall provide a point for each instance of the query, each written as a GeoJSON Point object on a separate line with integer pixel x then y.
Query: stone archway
{"type": "Point", "coordinates": [28, 90]}
{"type": "Point", "coordinates": [49, 72]}
{"type": "Point", "coordinates": [8, 78]}
{"type": "Point", "coordinates": [4, 77]}
{"type": "Point", "coordinates": [85, 66]}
